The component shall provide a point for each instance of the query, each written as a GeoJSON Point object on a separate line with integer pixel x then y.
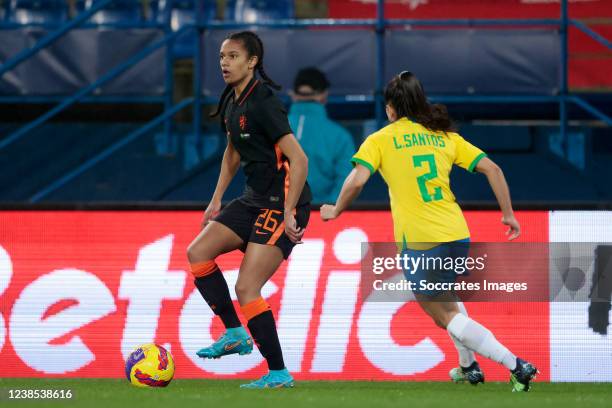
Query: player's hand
{"type": "Point", "coordinates": [211, 212]}
{"type": "Point", "coordinates": [328, 212]}
{"type": "Point", "coordinates": [515, 228]}
{"type": "Point", "coordinates": [294, 232]}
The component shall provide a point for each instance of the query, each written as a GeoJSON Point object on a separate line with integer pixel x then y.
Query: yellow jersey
{"type": "Point", "coordinates": [415, 162]}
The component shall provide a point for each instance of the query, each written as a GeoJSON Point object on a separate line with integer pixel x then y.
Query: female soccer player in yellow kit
{"type": "Point", "coordinates": [415, 154]}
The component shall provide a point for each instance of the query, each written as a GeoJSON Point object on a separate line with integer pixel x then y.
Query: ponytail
{"type": "Point", "coordinates": [266, 79]}
{"type": "Point", "coordinates": [439, 119]}
{"type": "Point", "coordinates": [405, 93]}
{"type": "Point", "coordinates": [259, 67]}
{"type": "Point", "coordinates": [221, 103]}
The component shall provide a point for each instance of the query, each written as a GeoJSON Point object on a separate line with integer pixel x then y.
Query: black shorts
{"type": "Point", "coordinates": [261, 225]}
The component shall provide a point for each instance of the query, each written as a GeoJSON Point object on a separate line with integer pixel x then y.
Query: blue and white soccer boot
{"type": "Point", "coordinates": [274, 379]}
{"type": "Point", "coordinates": [472, 374]}
{"type": "Point", "coordinates": [522, 375]}
{"type": "Point", "coordinates": [234, 341]}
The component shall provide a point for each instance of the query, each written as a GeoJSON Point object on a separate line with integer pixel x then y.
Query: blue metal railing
{"type": "Point", "coordinates": [564, 82]}
{"type": "Point", "coordinates": [113, 73]}
{"type": "Point", "coordinates": [65, 102]}
{"type": "Point", "coordinates": [379, 25]}
{"type": "Point", "coordinates": [585, 29]}
{"type": "Point", "coordinates": [197, 83]}
{"type": "Point", "coordinates": [82, 168]}
{"type": "Point", "coordinates": [52, 37]}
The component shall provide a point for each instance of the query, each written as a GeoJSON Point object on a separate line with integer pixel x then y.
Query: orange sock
{"type": "Point", "coordinates": [254, 308]}
{"type": "Point", "coordinates": [212, 286]}
{"type": "Point", "coordinates": [262, 326]}
{"type": "Point", "coordinates": [200, 269]}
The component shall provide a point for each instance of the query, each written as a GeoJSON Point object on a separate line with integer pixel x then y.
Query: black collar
{"type": "Point", "coordinates": [248, 90]}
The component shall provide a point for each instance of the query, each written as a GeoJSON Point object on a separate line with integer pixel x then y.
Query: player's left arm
{"type": "Point", "coordinates": [353, 184]}
{"type": "Point", "coordinates": [498, 183]}
{"type": "Point", "coordinates": [298, 170]}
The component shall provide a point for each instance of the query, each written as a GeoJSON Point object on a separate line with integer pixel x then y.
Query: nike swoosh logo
{"type": "Point", "coordinates": [278, 384]}
{"type": "Point", "coordinates": [260, 232]}
{"type": "Point", "coordinates": [232, 346]}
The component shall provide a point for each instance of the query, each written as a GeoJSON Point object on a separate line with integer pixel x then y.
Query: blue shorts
{"type": "Point", "coordinates": [436, 273]}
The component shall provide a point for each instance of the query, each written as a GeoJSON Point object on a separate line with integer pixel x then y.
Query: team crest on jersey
{"type": "Point", "coordinates": [243, 122]}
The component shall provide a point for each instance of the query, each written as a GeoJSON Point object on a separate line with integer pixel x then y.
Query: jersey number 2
{"type": "Point", "coordinates": [432, 174]}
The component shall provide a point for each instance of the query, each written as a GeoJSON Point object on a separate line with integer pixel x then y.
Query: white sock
{"type": "Point", "coordinates": [478, 338]}
{"type": "Point", "coordinates": [466, 356]}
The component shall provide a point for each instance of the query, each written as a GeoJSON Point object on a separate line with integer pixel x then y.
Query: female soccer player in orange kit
{"type": "Point", "coordinates": [266, 222]}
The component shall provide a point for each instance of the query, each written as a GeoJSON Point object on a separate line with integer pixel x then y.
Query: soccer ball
{"type": "Point", "coordinates": [150, 365]}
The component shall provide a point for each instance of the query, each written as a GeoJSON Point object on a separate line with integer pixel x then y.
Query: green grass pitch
{"type": "Point", "coordinates": [108, 393]}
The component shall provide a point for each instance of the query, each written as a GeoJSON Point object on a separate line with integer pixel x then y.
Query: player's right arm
{"type": "Point", "coordinates": [229, 167]}
{"type": "Point", "coordinates": [353, 184]}
{"type": "Point", "coordinates": [366, 162]}
{"type": "Point", "coordinates": [498, 183]}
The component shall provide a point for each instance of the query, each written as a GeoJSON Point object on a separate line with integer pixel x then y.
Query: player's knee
{"type": "Point", "coordinates": [440, 318]}
{"type": "Point", "coordinates": [245, 292]}
{"type": "Point", "coordinates": [440, 322]}
{"type": "Point", "coordinates": [199, 251]}
{"type": "Point", "coordinates": [242, 290]}
{"type": "Point", "coordinates": [443, 320]}
{"type": "Point", "coordinates": [192, 253]}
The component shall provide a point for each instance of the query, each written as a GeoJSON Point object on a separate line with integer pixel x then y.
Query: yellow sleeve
{"type": "Point", "coordinates": [467, 155]}
{"type": "Point", "coordinates": [368, 155]}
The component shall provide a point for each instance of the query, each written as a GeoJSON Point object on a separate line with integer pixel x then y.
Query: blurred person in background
{"type": "Point", "coordinates": [328, 145]}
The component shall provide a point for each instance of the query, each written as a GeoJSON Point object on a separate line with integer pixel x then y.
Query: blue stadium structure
{"type": "Point", "coordinates": [27, 12]}
{"type": "Point", "coordinates": [128, 55]}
